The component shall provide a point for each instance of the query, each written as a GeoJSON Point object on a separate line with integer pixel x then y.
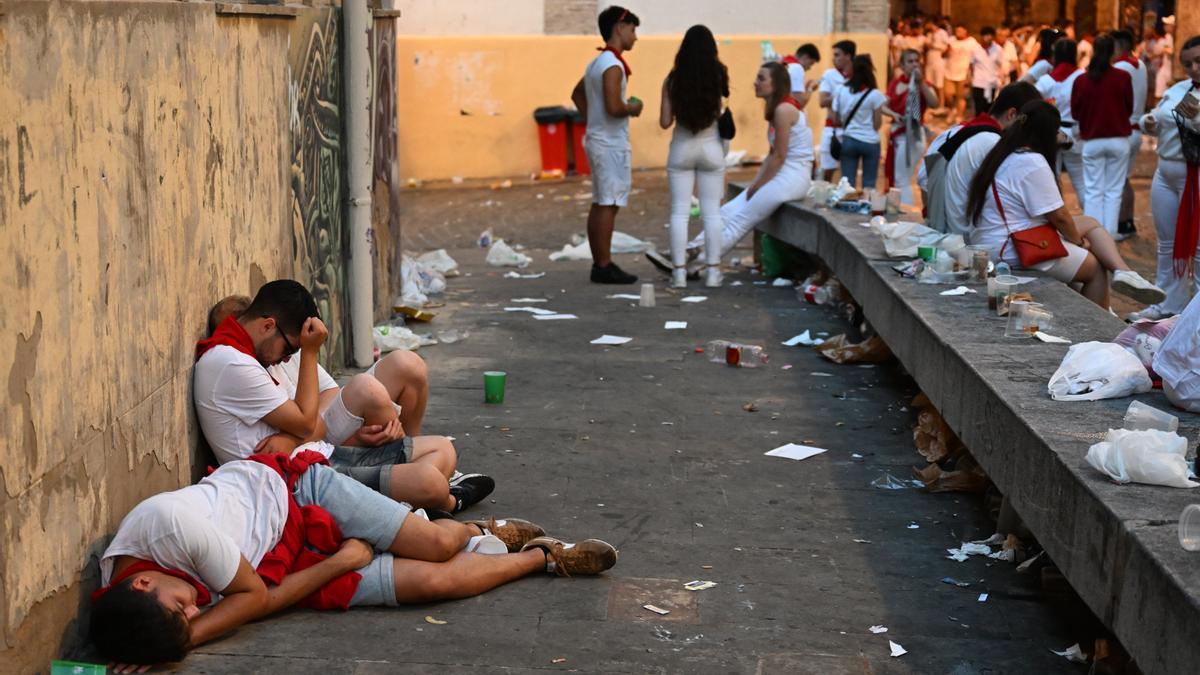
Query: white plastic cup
{"type": "Point", "coordinates": [647, 299]}
{"type": "Point", "coordinates": [1189, 528]}
{"type": "Point", "coordinates": [1140, 416]}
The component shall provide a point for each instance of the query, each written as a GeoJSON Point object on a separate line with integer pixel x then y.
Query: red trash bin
{"type": "Point", "coordinates": [553, 137]}
{"type": "Point", "coordinates": [578, 154]}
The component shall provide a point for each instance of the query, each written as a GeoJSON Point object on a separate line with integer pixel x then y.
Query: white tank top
{"type": "Point", "coordinates": [800, 140]}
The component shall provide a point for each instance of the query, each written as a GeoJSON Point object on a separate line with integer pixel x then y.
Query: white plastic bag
{"type": "Point", "coordinates": [1149, 456]}
{"type": "Point", "coordinates": [901, 239]}
{"type": "Point", "coordinates": [439, 261]}
{"type": "Point", "coordinates": [621, 243]}
{"type": "Point", "coordinates": [503, 255]}
{"type": "Point", "coordinates": [391, 338]}
{"type": "Point", "coordinates": [1094, 370]}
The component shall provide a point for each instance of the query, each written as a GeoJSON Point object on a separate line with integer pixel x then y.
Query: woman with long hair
{"type": "Point", "coordinates": [1176, 182]}
{"type": "Point", "coordinates": [1056, 86]}
{"type": "Point", "coordinates": [1042, 64]}
{"type": "Point", "coordinates": [785, 174]}
{"type": "Point", "coordinates": [1102, 100]}
{"type": "Point", "coordinates": [858, 109]}
{"type": "Point", "coordinates": [1015, 190]}
{"type": "Point", "coordinates": [692, 96]}
{"type": "Point", "coordinates": [908, 96]}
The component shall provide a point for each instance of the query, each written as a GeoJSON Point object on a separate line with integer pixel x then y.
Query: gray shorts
{"type": "Point", "coordinates": [359, 511]}
{"type": "Point", "coordinates": [378, 584]}
{"type": "Point", "coordinates": [372, 466]}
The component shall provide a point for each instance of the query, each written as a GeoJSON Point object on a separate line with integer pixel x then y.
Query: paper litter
{"type": "Point", "coordinates": [531, 310]}
{"type": "Point", "coordinates": [623, 296]}
{"type": "Point", "coordinates": [517, 275]}
{"type": "Point", "coordinates": [782, 283]}
{"type": "Point", "coordinates": [1073, 654]}
{"type": "Point", "coordinates": [611, 340]}
{"type": "Point", "coordinates": [554, 317]}
{"type": "Point", "coordinates": [804, 338]}
{"type": "Point", "coordinates": [878, 629]}
{"type": "Point", "coordinates": [656, 610]}
{"type": "Point", "coordinates": [795, 451]}
{"type": "Point", "coordinates": [675, 325]}
{"type": "Point", "coordinates": [897, 650]}
{"type": "Point", "coordinates": [966, 550]}
{"type": "Point", "coordinates": [699, 585]}
{"type": "Point", "coordinates": [961, 290]}
{"type": "Point", "coordinates": [1053, 339]}
{"type": "Point", "coordinates": [529, 300]}
{"type": "Point", "coordinates": [983, 597]}
{"type": "Point", "coordinates": [693, 298]}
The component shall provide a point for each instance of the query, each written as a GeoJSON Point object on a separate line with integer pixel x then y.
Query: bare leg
{"type": "Point", "coordinates": [366, 397]}
{"type": "Point", "coordinates": [406, 379]}
{"type": "Point", "coordinates": [1094, 278]}
{"type": "Point", "coordinates": [463, 576]}
{"type": "Point", "coordinates": [600, 224]}
{"type": "Point", "coordinates": [431, 540]}
{"type": "Point", "coordinates": [435, 450]}
{"type": "Point", "coordinates": [421, 484]}
{"type": "Point", "coordinates": [1102, 244]}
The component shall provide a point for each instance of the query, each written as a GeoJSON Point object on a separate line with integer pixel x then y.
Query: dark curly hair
{"type": "Point", "coordinates": [698, 81]}
{"type": "Point", "coordinates": [130, 626]}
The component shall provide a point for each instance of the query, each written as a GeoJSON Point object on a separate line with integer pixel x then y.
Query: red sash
{"type": "Point", "coordinates": [1062, 71]}
{"type": "Point", "coordinates": [617, 54]}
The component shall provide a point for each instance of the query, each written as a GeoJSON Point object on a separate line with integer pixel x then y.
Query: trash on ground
{"type": "Point", "coordinates": [914, 526]}
{"type": "Point", "coordinates": [518, 275]}
{"type": "Point", "coordinates": [419, 280]}
{"type": "Point", "coordinates": [656, 610]}
{"type": "Point", "coordinates": [983, 597]}
{"type": "Point", "coordinates": [389, 338]}
{"type": "Point", "coordinates": [621, 243]}
{"type": "Point", "coordinates": [961, 290]}
{"type": "Point", "coordinates": [452, 335]}
{"type": "Point", "coordinates": [840, 350]}
{"type": "Point", "coordinates": [861, 541]}
{"type": "Point", "coordinates": [436, 622]}
{"type": "Point", "coordinates": [414, 313]}
{"type": "Point", "coordinates": [966, 550]}
{"type": "Point", "coordinates": [889, 482]}
{"type": "Point", "coordinates": [531, 310]}
{"type": "Point", "coordinates": [699, 585]}
{"type": "Point", "coordinates": [1094, 370]}
{"type": "Point", "coordinates": [955, 582]}
{"type": "Point", "coordinates": [611, 340]}
{"type": "Point", "coordinates": [554, 317]}
{"type": "Point", "coordinates": [1073, 654]}
{"type": "Point", "coordinates": [995, 540]}
{"type": "Point", "coordinates": [623, 296]}
{"type": "Point", "coordinates": [560, 659]}
{"type": "Point", "coordinates": [878, 629]}
{"type": "Point", "coordinates": [503, 255]}
{"type": "Point", "coordinates": [902, 239]}
{"type": "Point", "coordinates": [750, 407]}
{"type": "Point", "coordinates": [1052, 339]}
{"type": "Point", "coordinates": [817, 373]}
{"type": "Point", "coordinates": [440, 261]}
{"type": "Point", "coordinates": [782, 283]}
{"type": "Point", "coordinates": [675, 325]}
{"type": "Point", "coordinates": [518, 300]}
{"type": "Point", "coordinates": [897, 650]}
{"type": "Point", "coordinates": [1149, 456]}
{"type": "Point", "coordinates": [502, 185]}
{"type": "Point", "coordinates": [1025, 566]}
{"type": "Point", "coordinates": [485, 238]}
{"type": "Point", "coordinates": [693, 298]}
{"type": "Point", "coordinates": [735, 354]}
{"type": "Point", "coordinates": [795, 451]}
{"type": "Point", "coordinates": [968, 476]}
{"type": "Point", "coordinates": [804, 338]}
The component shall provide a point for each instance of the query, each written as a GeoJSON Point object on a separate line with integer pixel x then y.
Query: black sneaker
{"type": "Point", "coordinates": [471, 489]}
{"type": "Point", "coordinates": [611, 274]}
{"type": "Point", "coordinates": [1125, 230]}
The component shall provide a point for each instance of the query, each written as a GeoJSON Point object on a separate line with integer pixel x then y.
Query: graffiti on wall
{"type": "Point", "coordinates": [317, 165]}
{"type": "Point", "coordinates": [385, 173]}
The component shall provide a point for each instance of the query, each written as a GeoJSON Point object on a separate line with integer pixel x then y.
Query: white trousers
{"type": "Point", "coordinates": [1166, 191]}
{"type": "Point", "coordinates": [1072, 161]}
{"type": "Point", "coordinates": [1105, 166]}
{"type": "Point", "coordinates": [695, 160]}
{"type": "Point", "coordinates": [740, 214]}
{"type": "Point", "coordinates": [904, 171]}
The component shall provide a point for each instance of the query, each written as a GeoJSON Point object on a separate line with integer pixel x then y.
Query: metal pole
{"type": "Point", "coordinates": [356, 21]}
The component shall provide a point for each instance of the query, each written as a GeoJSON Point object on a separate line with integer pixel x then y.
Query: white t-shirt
{"type": "Point", "coordinates": [233, 392]}
{"type": "Point", "coordinates": [204, 530]}
{"type": "Point", "coordinates": [934, 146]}
{"type": "Point", "coordinates": [603, 130]}
{"type": "Point", "coordinates": [287, 374]}
{"type": "Point", "coordinates": [1038, 69]}
{"type": "Point", "coordinates": [958, 58]}
{"type": "Point", "coordinates": [1060, 94]}
{"type": "Point", "coordinates": [986, 66]}
{"type": "Point", "coordinates": [1178, 360]}
{"type": "Point", "coordinates": [959, 172]}
{"type": "Point", "coordinates": [1169, 145]}
{"type": "Point", "coordinates": [1138, 76]}
{"type": "Point", "coordinates": [832, 80]}
{"type": "Point", "coordinates": [938, 42]}
{"type": "Point", "coordinates": [862, 126]}
{"type": "Point", "coordinates": [1009, 59]}
{"type": "Point", "coordinates": [1028, 192]}
{"type": "Point", "coordinates": [796, 73]}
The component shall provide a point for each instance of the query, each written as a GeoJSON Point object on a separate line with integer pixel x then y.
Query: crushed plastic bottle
{"type": "Point", "coordinates": [735, 354]}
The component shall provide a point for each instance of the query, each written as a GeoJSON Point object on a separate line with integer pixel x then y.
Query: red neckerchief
{"type": "Point", "coordinates": [203, 597]}
{"type": "Point", "coordinates": [982, 120]}
{"type": "Point", "coordinates": [1128, 58]}
{"type": "Point", "coordinates": [1187, 222]}
{"type": "Point", "coordinates": [1062, 71]}
{"type": "Point", "coordinates": [789, 59]}
{"type": "Point", "coordinates": [791, 100]}
{"type": "Point", "coordinates": [617, 54]}
{"type": "Point", "coordinates": [232, 334]}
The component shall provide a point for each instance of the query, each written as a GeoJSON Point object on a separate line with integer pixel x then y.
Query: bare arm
{"type": "Point", "coordinates": [299, 417]}
{"type": "Point", "coordinates": [826, 100]}
{"type": "Point", "coordinates": [245, 599]}
{"type": "Point", "coordinates": [782, 122]}
{"type": "Point", "coordinates": [613, 104]}
{"type": "Point", "coordinates": [877, 117]}
{"type": "Point", "coordinates": [579, 98]}
{"type": "Point", "coordinates": [665, 115]}
{"type": "Point", "coordinates": [1062, 221]}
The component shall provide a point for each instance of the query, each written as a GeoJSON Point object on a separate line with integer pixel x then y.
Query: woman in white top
{"type": "Point", "coordinates": [858, 109]}
{"type": "Point", "coordinates": [1015, 190]}
{"type": "Point", "coordinates": [691, 100]}
{"type": "Point", "coordinates": [1056, 86]}
{"type": "Point", "coordinates": [1166, 191]}
{"type": "Point", "coordinates": [786, 173]}
{"type": "Point", "coordinates": [1045, 52]}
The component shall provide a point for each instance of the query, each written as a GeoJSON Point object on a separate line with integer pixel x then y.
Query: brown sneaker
{"type": "Point", "coordinates": [514, 532]}
{"type": "Point", "coordinates": [590, 556]}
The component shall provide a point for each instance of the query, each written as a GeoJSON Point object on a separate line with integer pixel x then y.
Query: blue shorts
{"type": "Point", "coordinates": [359, 511]}
{"type": "Point", "coordinates": [372, 466]}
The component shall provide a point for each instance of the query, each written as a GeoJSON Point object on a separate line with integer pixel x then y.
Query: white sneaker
{"type": "Point", "coordinates": [679, 277]}
{"type": "Point", "coordinates": [1132, 285]}
{"type": "Point", "coordinates": [1151, 313]}
{"type": "Point", "coordinates": [713, 277]}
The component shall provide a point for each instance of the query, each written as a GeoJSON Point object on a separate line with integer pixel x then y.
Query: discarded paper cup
{"type": "Point", "coordinates": [647, 299]}
{"type": "Point", "coordinates": [927, 253]}
{"type": "Point", "coordinates": [493, 386]}
{"type": "Point", "coordinates": [1140, 416]}
{"type": "Point", "coordinates": [1189, 528]}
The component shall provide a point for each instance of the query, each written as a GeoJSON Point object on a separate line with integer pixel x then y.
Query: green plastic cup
{"type": "Point", "coordinates": [927, 253]}
{"type": "Point", "coordinates": [493, 386]}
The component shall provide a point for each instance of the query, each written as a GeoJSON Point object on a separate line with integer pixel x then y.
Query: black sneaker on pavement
{"type": "Point", "coordinates": [611, 274]}
{"type": "Point", "coordinates": [471, 489]}
{"type": "Point", "coordinates": [1125, 230]}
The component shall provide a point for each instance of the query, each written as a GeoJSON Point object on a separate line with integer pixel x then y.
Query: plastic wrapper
{"type": "Point", "coordinates": [1148, 456]}
{"type": "Point", "coordinates": [839, 349]}
{"type": "Point", "coordinates": [1096, 370]}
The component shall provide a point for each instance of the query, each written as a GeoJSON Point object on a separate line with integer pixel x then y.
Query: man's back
{"type": "Point", "coordinates": [959, 172]}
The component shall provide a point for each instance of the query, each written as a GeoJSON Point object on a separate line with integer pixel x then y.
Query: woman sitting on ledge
{"type": "Point", "coordinates": [1016, 190]}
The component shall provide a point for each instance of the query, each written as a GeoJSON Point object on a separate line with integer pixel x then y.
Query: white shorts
{"type": "Point", "coordinates": [612, 175]}
{"type": "Point", "coordinates": [935, 69]}
{"type": "Point", "coordinates": [828, 163]}
{"type": "Point", "coordinates": [1064, 269]}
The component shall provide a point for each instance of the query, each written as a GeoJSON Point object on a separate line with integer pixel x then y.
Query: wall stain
{"type": "Point", "coordinates": [24, 367]}
{"type": "Point", "coordinates": [22, 144]}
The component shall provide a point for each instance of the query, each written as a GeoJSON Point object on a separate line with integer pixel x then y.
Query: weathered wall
{"type": "Point", "coordinates": [154, 156]}
{"type": "Point", "coordinates": [466, 103]}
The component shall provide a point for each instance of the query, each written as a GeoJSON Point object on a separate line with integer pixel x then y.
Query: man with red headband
{"type": "Point", "coordinates": [600, 98]}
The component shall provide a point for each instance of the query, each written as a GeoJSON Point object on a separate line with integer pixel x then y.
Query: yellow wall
{"type": "Point", "coordinates": [466, 103]}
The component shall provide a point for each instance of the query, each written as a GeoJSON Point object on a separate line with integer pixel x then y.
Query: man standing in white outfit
{"type": "Point", "coordinates": [600, 98]}
{"type": "Point", "coordinates": [986, 60]}
{"type": "Point", "coordinates": [935, 62]}
{"type": "Point", "coordinates": [833, 80]}
{"type": "Point", "coordinates": [958, 66]}
{"type": "Point", "coordinates": [1137, 73]}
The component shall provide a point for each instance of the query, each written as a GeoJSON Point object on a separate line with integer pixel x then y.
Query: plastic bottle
{"type": "Point", "coordinates": [1002, 268]}
{"type": "Point", "coordinates": [735, 354]}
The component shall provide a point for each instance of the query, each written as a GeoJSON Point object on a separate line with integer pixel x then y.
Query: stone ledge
{"type": "Point", "coordinates": [266, 11]}
{"type": "Point", "coordinates": [1116, 544]}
